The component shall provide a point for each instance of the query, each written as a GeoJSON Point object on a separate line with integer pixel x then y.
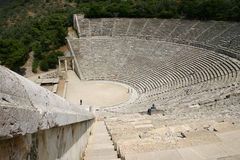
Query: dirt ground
{"type": "Point", "coordinates": [96, 93]}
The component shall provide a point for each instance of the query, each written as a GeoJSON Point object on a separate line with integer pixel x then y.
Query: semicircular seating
{"type": "Point", "coordinates": [168, 61]}
{"type": "Point", "coordinates": [211, 34]}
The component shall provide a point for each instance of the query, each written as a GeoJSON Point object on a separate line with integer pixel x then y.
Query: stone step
{"type": "Point", "coordinates": [102, 135]}
{"type": "Point", "coordinates": [142, 122]}
{"type": "Point", "coordinates": [101, 152]}
{"type": "Point", "coordinates": [100, 140]}
{"type": "Point", "coordinates": [101, 158]}
{"type": "Point", "coordinates": [96, 137]}
{"type": "Point", "coordinates": [105, 141]}
{"type": "Point", "coordinates": [100, 146]}
{"type": "Point", "coordinates": [144, 126]}
{"type": "Point", "coordinates": [101, 132]}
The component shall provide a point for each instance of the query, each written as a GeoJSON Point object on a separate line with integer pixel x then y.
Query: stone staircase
{"type": "Point", "coordinates": [100, 146]}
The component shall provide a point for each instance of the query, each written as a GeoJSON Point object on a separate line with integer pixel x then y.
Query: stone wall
{"type": "Point", "coordinates": [37, 124]}
{"type": "Point", "coordinates": [67, 142]}
{"type": "Point", "coordinates": [76, 65]}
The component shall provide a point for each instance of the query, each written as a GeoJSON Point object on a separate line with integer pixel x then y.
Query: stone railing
{"type": "Point", "coordinates": [37, 124]}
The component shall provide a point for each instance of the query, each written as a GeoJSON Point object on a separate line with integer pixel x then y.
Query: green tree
{"type": "Point", "coordinates": [12, 53]}
{"type": "Point", "coordinates": [44, 65]}
{"type": "Point", "coordinates": [52, 59]}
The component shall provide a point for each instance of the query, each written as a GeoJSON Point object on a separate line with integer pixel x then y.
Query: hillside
{"type": "Point", "coordinates": [22, 32]}
{"type": "Point", "coordinates": [41, 25]}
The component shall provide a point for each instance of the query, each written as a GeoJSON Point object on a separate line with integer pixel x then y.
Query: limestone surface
{"type": "Point", "coordinates": [27, 108]}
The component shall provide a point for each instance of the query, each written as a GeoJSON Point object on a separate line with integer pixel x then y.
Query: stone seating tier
{"type": "Point", "coordinates": [224, 35]}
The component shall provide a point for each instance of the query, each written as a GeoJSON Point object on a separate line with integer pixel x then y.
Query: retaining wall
{"type": "Point", "coordinates": [37, 124]}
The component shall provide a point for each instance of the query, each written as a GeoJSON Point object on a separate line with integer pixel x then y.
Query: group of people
{"type": "Point", "coordinates": [151, 109]}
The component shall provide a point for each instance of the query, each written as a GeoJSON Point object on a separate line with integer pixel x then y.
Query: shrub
{"type": "Point", "coordinates": [35, 65]}
{"type": "Point", "coordinates": [52, 59]}
{"type": "Point", "coordinates": [13, 53]}
{"type": "Point", "coordinates": [44, 65]}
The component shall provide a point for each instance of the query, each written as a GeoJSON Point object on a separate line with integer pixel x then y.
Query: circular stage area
{"type": "Point", "coordinates": [96, 93]}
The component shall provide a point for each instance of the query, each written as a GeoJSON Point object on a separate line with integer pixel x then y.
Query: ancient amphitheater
{"type": "Point", "coordinates": [181, 78]}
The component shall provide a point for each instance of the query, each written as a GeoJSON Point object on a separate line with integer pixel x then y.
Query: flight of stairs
{"type": "Point", "coordinates": [100, 146]}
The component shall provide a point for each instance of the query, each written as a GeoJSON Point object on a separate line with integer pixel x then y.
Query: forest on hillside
{"type": "Point", "coordinates": [41, 25]}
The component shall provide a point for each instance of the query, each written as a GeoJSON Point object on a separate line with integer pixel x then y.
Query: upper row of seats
{"type": "Point", "coordinates": [217, 34]}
